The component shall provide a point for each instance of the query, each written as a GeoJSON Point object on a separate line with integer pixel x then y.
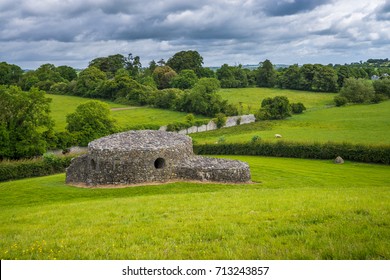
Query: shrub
{"type": "Point", "coordinates": [220, 120]}
{"type": "Point", "coordinates": [255, 139]}
{"type": "Point", "coordinates": [276, 108]}
{"type": "Point", "coordinates": [47, 165]}
{"type": "Point", "coordinates": [297, 108]}
{"type": "Point", "coordinates": [340, 101]}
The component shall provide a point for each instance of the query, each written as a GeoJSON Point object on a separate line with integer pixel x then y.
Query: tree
{"type": "Point", "coordinates": [109, 64]}
{"type": "Point", "coordinates": [133, 65]}
{"type": "Point", "coordinates": [24, 120]}
{"type": "Point", "coordinates": [190, 60]}
{"type": "Point", "coordinates": [67, 73]}
{"type": "Point", "coordinates": [276, 108]}
{"type": "Point", "coordinates": [10, 74]}
{"type": "Point", "coordinates": [163, 76]}
{"type": "Point", "coordinates": [325, 79]}
{"type": "Point", "coordinates": [382, 87]}
{"type": "Point", "coordinates": [89, 81]}
{"type": "Point", "coordinates": [185, 80]}
{"type": "Point", "coordinates": [168, 98]}
{"type": "Point", "coordinates": [266, 76]}
{"type": "Point", "coordinates": [232, 76]}
{"type": "Point", "coordinates": [90, 121]}
{"type": "Point", "coordinates": [357, 90]}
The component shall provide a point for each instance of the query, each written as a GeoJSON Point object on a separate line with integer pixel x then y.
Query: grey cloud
{"type": "Point", "coordinates": [290, 7]}
{"type": "Point", "coordinates": [223, 31]}
{"type": "Point", "coordinates": [383, 12]}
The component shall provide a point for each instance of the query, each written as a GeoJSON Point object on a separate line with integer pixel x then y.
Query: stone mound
{"type": "Point", "coordinates": [148, 156]}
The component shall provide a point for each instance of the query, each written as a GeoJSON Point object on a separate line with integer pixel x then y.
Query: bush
{"type": "Point", "coordinates": [297, 108]}
{"type": "Point", "coordinates": [357, 90]}
{"type": "Point", "coordinates": [340, 101]}
{"type": "Point", "coordinates": [220, 120]}
{"type": "Point", "coordinates": [47, 165]}
{"type": "Point", "coordinates": [255, 139]}
{"type": "Point", "coordinates": [276, 108]}
{"type": "Point", "coordinates": [361, 153]}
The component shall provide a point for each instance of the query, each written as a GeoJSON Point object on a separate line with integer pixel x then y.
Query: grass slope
{"type": "Point", "coordinates": [298, 209]}
{"type": "Point", "coordinates": [63, 105]}
{"type": "Point", "coordinates": [359, 124]}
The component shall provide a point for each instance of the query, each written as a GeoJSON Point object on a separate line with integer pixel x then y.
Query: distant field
{"type": "Point", "coordinates": [254, 96]}
{"type": "Point", "coordinates": [366, 124]}
{"type": "Point", "coordinates": [62, 105]}
{"type": "Point", "coordinates": [297, 209]}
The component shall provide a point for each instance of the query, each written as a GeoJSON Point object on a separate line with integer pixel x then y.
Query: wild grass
{"type": "Point", "coordinates": [357, 124]}
{"type": "Point", "coordinates": [297, 209]}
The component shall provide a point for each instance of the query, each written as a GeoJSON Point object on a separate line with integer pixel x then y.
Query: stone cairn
{"type": "Point", "coordinates": [149, 156]}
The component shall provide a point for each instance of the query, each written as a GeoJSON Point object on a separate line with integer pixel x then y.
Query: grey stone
{"type": "Point", "coordinates": [339, 160]}
{"type": "Point", "coordinates": [147, 156]}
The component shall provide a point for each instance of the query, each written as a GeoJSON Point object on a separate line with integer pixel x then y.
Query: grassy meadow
{"type": "Point", "coordinates": [126, 116]}
{"type": "Point", "coordinates": [296, 209]}
{"type": "Point", "coordinates": [251, 98]}
{"type": "Point", "coordinates": [358, 124]}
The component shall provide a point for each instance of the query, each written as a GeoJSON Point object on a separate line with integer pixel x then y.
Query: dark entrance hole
{"type": "Point", "coordinates": [159, 163]}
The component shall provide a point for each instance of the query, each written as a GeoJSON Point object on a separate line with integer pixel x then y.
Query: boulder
{"type": "Point", "coordinates": [339, 160]}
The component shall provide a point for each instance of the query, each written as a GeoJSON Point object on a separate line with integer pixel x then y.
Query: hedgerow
{"type": "Point", "coordinates": [353, 152]}
{"type": "Point", "coordinates": [47, 165]}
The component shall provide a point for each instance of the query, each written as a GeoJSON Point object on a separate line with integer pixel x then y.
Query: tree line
{"type": "Point", "coordinates": [181, 83]}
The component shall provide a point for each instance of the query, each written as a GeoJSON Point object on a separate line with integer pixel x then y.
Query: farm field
{"type": "Point", "coordinates": [125, 115]}
{"type": "Point", "coordinates": [358, 124]}
{"type": "Point", "coordinates": [296, 209]}
{"type": "Point", "coordinates": [252, 97]}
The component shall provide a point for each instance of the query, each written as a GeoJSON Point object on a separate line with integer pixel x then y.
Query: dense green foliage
{"type": "Point", "coordinates": [24, 122]}
{"type": "Point", "coordinates": [297, 209]}
{"type": "Point", "coordinates": [357, 90]}
{"type": "Point", "coordinates": [90, 121]}
{"type": "Point", "coordinates": [27, 168]}
{"type": "Point", "coordinates": [360, 153]}
{"type": "Point", "coordinates": [186, 60]}
{"type": "Point", "coordinates": [276, 108]}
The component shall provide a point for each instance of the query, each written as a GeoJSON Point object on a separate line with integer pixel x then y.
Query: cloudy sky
{"type": "Point", "coordinates": [73, 32]}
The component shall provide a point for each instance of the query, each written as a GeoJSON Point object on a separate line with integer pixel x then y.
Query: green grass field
{"type": "Point", "coordinates": [252, 97]}
{"type": "Point", "coordinates": [358, 124]}
{"type": "Point", "coordinates": [62, 105]}
{"type": "Point", "coordinates": [297, 209]}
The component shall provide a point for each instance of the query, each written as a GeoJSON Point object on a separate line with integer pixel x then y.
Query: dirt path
{"type": "Point", "coordinates": [122, 109]}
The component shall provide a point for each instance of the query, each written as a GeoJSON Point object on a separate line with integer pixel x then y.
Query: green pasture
{"type": "Point", "coordinates": [296, 209]}
{"type": "Point", "coordinates": [358, 124]}
{"type": "Point", "coordinates": [126, 116]}
{"type": "Point", "coordinates": [251, 98]}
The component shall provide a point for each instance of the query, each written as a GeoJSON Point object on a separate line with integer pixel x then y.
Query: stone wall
{"type": "Point", "coordinates": [230, 121]}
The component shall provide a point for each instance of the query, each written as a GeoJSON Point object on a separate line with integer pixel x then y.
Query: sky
{"type": "Point", "coordinates": [73, 32]}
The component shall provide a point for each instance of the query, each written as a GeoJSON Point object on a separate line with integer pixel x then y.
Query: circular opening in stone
{"type": "Point", "coordinates": [159, 163]}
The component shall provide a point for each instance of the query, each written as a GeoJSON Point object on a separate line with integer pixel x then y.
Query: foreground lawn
{"type": "Point", "coordinates": [297, 209]}
{"type": "Point", "coordinates": [358, 124]}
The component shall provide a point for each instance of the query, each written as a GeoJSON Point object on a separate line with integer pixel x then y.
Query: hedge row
{"type": "Point", "coordinates": [47, 165]}
{"type": "Point", "coordinates": [360, 153]}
